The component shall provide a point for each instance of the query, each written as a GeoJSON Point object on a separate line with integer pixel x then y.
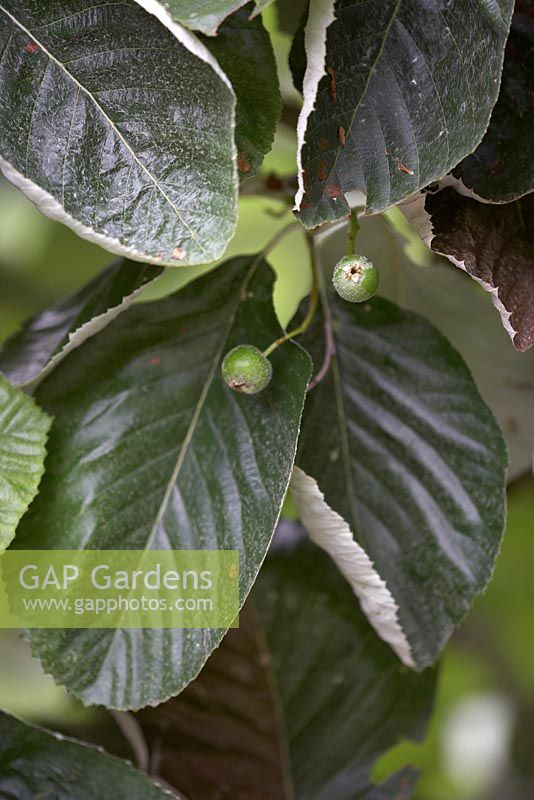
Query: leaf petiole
{"type": "Point", "coordinates": [354, 227]}
{"type": "Point", "coordinates": [312, 308]}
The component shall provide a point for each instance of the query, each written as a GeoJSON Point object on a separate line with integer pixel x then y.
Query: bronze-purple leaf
{"type": "Point", "coordinates": [222, 735]}
{"type": "Point", "coordinates": [494, 244]}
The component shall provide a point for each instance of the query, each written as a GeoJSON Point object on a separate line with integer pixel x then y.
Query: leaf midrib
{"type": "Point", "coordinates": [372, 68]}
{"type": "Point", "coordinates": [108, 119]}
{"type": "Point", "coordinates": [199, 407]}
{"type": "Point", "coordinates": [191, 429]}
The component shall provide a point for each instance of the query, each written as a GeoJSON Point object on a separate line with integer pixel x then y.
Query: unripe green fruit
{"type": "Point", "coordinates": [355, 278]}
{"type": "Point", "coordinates": [245, 369]}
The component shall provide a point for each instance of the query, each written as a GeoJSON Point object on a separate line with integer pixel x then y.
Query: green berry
{"type": "Point", "coordinates": [245, 369]}
{"type": "Point", "coordinates": [355, 278]}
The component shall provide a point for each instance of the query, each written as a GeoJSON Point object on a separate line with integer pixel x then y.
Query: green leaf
{"type": "Point", "coordinates": [244, 51]}
{"type": "Point", "coordinates": [224, 730]}
{"type": "Point", "coordinates": [465, 316]}
{"type": "Point", "coordinates": [199, 15]}
{"type": "Point", "coordinates": [495, 246]}
{"type": "Point", "coordinates": [412, 467]}
{"type": "Point", "coordinates": [23, 433]}
{"type": "Point", "coordinates": [345, 697]}
{"type": "Point", "coordinates": [48, 337]}
{"type": "Point", "coordinates": [502, 167]}
{"type": "Point", "coordinates": [150, 449]}
{"type": "Point", "coordinates": [300, 706]}
{"type": "Point", "coordinates": [395, 95]}
{"type": "Point", "coordinates": [130, 144]}
{"type": "Point", "coordinates": [37, 764]}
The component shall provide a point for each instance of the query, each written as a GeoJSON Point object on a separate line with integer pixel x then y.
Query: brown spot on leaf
{"type": "Point", "coordinates": [333, 191]}
{"type": "Point", "coordinates": [243, 164]}
{"type": "Point", "coordinates": [341, 135]}
{"type": "Point", "coordinates": [324, 144]}
{"type": "Point", "coordinates": [404, 169]}
{"type": "Point", "coordinates": [497, 166]}
{"type": "Point", "coordinates": [333, 82]}
{"type": "Point", "coordinates": [322, 172]}
{"type": "Point", "coordinates": [178, 253]}
{"type": "Point", "coordinates": [155, 362]}
{"type": "Point", "coordinates": [32, 48]}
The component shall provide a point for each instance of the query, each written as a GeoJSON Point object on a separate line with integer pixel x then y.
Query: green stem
{"type": "Point", "coordinates": [354, 227]}
{"type": "Point", "coordinates": [329, 341]}
{"type": "Point", "coordinates": [312, 308]}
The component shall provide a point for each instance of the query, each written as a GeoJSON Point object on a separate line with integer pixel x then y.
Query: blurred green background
{"type": "Point", "coordinates": [480, 740]}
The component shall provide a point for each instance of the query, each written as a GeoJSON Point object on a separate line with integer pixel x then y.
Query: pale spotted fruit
{"type": "Point", "coordinates": [245, 369]}
{"type": "Point", "coordinates": [355, 278]}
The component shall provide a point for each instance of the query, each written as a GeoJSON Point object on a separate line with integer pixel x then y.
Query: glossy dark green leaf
{"type": "Point", "coordinates": [23, 433]}
{"type": "Point", "coordinates": [403, 92]}
{"type": "Point", "coordinates": [297, 54]}
{"type": "Point", "coordinates": [243, 49]}
{"type": "Point", "coordinates": [200, 15]}
{"type": "Point", "coordinates": [300, 709]}
{"type": "Point", "coordinates": [150, 449]}
{"type": "Point", "coordinates": [412, 461]}
{"type": "Point", "coordinates": [49, 336]}
{"type": "Point", "coordinates": [118, 128]}
{"type": "Point", "coordinates": [502, 167]}
{"type": "Point", "coordinates": [225, 729]}
{"type": "Point", "coordinates": [494, 244]}
{"type": "Point", "coordinates": [345, 697]}
{"type": "Point", "coordinates": [37, 764]}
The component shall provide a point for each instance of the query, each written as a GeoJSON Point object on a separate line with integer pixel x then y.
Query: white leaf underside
{"type": "Point", "coordinates": [329, 531]}
{"type": "Point", "coordinates": [184, 36]}
{"type": "Point", "coordinates": [78, 336]}
{"type": "Point", "coordinates": [320, 17]}
{"type": "Point", "coordinates": [52, 208]}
